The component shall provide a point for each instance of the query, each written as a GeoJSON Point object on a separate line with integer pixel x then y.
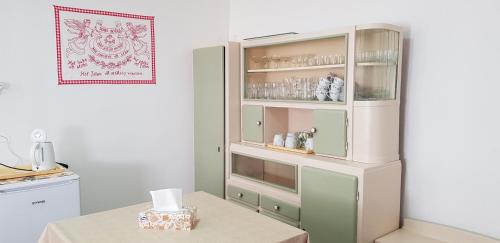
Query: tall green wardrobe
{"type": "Point", "coordinates": [208, 76]}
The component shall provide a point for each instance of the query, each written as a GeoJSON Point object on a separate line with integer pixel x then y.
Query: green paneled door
{"type": "Point", "coordinates": [208, 76]}
{"type": "Point", "coordinates": [331, 132]}
{"type": "Point", "coordinates": [329, 205]}
{"type": "Point", "coordinates": [253, 123]}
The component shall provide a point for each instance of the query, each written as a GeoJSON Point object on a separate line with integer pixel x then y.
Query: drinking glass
{"type": "Point", "coordinates": [275, 90]}
{"type": "Point", "coordinates": [250, 90]}
{"type": "Point", "coordinates": [318, 60]}
{"type": "Point", "coordinates": [326, 60]}
{"type": "Point", "coordinates": [296, 88]}
{"type": "Point", "coordinates": [265, 62]}
{"type": "Point", "coordinates": [310, 60]}
{"type": "Point", "coordinates": [260, 91]}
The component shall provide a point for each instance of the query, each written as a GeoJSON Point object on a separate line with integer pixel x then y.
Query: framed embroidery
{"type": "Point", "coordinates": [102, 47]}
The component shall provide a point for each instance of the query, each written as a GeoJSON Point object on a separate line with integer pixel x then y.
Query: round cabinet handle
{"type": "Point", "coordinates": [314, 130]}
{"type": "Point", "coordinates": [276, 207]}
{"type": "Point", "coordinates": [259, 123]}
{"type": "Point", "coordinates": [240, 194]}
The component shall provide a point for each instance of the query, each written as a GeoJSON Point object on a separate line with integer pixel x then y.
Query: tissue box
{"type": "Point", "coordinates": [183, 219]}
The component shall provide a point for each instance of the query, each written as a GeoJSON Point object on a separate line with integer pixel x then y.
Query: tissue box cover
{"type": "Point", "coordinates": [183, 219]}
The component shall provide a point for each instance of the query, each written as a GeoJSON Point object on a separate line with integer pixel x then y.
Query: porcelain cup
{"type": "Point", "coordinates": [291, 140]}
{"type": "Point", "coordinates": [309, 145]}
{"type": "Point", "coordinates": [278, 140]}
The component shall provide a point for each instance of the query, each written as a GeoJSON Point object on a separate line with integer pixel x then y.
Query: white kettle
{"type": "Point", "coordinates": [42, 152]}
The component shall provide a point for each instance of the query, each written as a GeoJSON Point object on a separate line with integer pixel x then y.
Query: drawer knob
{"type": "Point", "coordinates": [259, 123]}
{"type": "Point", "coordinates": [276, 207]}
{"type": "Point", "coordinates": [240, 194]}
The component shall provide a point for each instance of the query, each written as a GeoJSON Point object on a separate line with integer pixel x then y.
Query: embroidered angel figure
{"type": "Point", "coordinates": [77, 44]}
{"type": "Point", "coordinates": [96, 31]}
{"type": "Point", "coordinates": [134, 33]}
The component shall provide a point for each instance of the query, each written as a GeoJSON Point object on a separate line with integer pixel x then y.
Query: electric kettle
{"type": "Point", "coordinates": [42, 152]}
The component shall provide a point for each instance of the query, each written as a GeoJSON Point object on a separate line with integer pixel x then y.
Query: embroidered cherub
{"type": "Point", "coordinates": [81, 29]}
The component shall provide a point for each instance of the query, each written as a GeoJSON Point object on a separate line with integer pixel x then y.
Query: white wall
{"type": "Point", "coordinates": [451, 83]}
{"type": "Point", "coordinates": [123, 140]}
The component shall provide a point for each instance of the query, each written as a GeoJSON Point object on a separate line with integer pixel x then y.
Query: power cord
{"type": "Point", "coordinates": [66, 166]}
{"type": "Point", "coordinates": [10, 167]}
{"type": "Point", "coordinates": [4, 139]}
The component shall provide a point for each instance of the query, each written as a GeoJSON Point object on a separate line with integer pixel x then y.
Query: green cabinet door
{"type": "Point", "coordinates": [329, 206]}
{"type": "Point", "coordinates": [208, 76]}
{"type": "Point", "coordinates": [252, 120]}
{"type": "Point", "coordinates": [331, 132]}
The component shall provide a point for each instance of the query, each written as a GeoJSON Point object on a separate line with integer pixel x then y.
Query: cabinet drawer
{"type": "Point", "coordinates": [282, 219]}
{"type": "Point", "coordinates": [239, 203]}
{"type": "Point", "coordinates": [243, 195]}
{"type": "Point", "coordinates": [279, 207]}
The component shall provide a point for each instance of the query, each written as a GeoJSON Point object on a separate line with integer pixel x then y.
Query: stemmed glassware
{"type": "Point", "coordinates": [305, 60]}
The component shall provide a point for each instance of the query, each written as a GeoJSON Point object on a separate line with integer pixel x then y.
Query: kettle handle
{"type": "Point", "coordinates": [35, 154]}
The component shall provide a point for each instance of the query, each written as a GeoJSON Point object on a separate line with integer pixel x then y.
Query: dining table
{"type": "Point", "coordinates": [218, 221]}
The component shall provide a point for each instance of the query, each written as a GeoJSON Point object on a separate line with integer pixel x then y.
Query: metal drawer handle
{"type": "Point", "coordinates": [276, 207]}
{"type": "Point", "coordinates": [259, 123]}
{"type": "Point", "coordinates": [240, 194]}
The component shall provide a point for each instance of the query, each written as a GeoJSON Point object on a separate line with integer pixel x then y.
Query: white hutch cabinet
{"type": "Point", "coordinates": [342, 89]}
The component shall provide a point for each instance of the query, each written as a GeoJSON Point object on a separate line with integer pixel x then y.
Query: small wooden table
{"type": "Point", "coordinates": [219, 221]}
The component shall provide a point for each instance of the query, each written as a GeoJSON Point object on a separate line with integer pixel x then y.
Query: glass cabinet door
{"type": "Point", "coordinates": [376, 64]}
{"type": "Point", "coordinates": [280, 174]}
{"type": "Point", "coordinates": [247, 167]}
{"type": "Point", "coordinates": [274, 173]}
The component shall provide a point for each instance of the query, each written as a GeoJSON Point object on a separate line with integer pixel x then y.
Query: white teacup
{"type": "Point", "coordinates": [309, 145]}
{"type": "Point", "coordinates": [321, 94]}
{"type": "Point", "coordinates": [324, 82]}
{"type": "Point", "coordinates": [291, 140]}
{"type": "Point", "coordinates": [338, 82]}
{"type": "Point", "coordinates": [278, 140]}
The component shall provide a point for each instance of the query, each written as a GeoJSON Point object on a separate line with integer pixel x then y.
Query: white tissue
{"type": "Point", "coordinates": [167, 199]}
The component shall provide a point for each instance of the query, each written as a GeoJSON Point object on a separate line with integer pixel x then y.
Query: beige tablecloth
{"type": "Point", "coordinates": [219, 221]}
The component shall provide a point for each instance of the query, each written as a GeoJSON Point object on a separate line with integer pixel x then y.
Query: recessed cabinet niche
{"type": "Point", "coordinates": [328, 127]}
{"type": "Point", "coordinates": [278, 174]}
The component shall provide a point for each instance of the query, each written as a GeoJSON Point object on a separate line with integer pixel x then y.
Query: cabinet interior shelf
{"type": "Point", "coordinates": [295, 68]}
{"type": "Point", "coordinates": [366, 64]}
{"type": "Point", "coordinates": [300, 104]}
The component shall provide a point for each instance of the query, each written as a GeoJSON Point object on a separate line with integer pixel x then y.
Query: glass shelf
{"type": "Point", "coordinates": [377, 61]}
{"type": "Point", "coordinates": [296, 68]}
{"type": "Point", "coordinates": [264, 100]}
{"type": "Point", "coordinates": [368, 64]}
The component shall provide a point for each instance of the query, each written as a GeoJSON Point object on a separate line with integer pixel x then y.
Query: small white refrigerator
{"type": "Point", "coordinates": [26, 207]}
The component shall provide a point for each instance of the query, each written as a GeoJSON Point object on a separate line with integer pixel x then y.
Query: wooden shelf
{"type": "Point", "coordinates": [264, 152]}
{"type": "Point", "coordinates": [299, 104]}
{"type": "Point", "coordinates": [368, 64]}
{"type": "Point", "coordinates": [295, 68]}
{"type": "Point", "coordinates": [280, 148]}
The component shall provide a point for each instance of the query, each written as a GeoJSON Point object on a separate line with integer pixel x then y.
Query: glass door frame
{"type": "Point", "coordinates": [295, 166]}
